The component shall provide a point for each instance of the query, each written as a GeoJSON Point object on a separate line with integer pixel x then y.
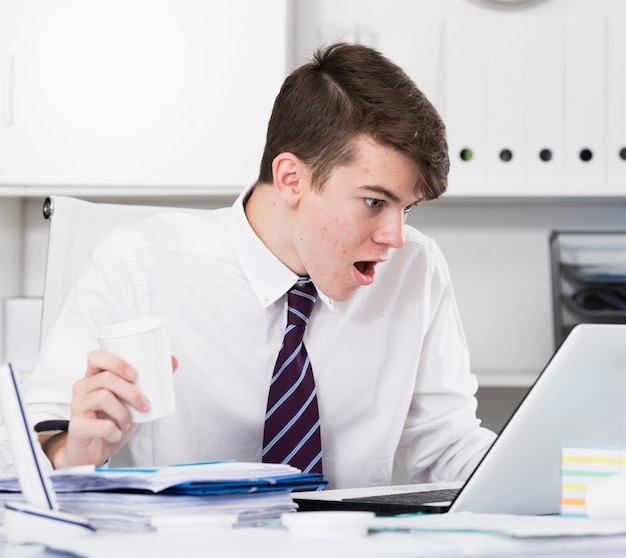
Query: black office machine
{"type": "Point", "coordinates": [588, 279]}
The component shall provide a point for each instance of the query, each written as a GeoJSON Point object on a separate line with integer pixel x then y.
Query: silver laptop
{"type": "Point", "coordinates": [579, 399]}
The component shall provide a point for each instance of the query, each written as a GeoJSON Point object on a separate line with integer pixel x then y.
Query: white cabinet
{"type": "Point", "coordinates": [131, 94]}
{"type": "Point", "coordinates": [533, 97]}
{"type": "Point", "coordinates": [534, 105]}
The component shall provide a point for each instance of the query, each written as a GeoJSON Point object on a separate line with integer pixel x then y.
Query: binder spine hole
{"type": "Point", "coordinates": [586, 155]}
{"type": "Point", "coordinates": [545, 155]}
{"type": "Point", "coordinates": [506, 155]}
{"type": "Point", "coordinates": [622, 153]}
{"type": "Point", "coordinates": [466, 154]}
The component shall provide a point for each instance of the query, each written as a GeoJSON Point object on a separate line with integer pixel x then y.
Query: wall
{"type": "Point", "coordinates": [11, 239]}
{"type": "Point", "coordinates": [499, 259]}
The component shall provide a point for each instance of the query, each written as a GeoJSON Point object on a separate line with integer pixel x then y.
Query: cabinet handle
{"type": "Point", "coordinates": [8, 89]}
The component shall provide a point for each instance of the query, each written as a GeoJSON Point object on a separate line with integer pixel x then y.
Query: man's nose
{"type": "Point", "coordinates": [391, 231]}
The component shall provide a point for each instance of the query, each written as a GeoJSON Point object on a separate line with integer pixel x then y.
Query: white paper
{"type": "Point", "coordinates": [156, 479]}
{"type": "Point", "coordinates": [122, 513]}
{"type": "Point", "coordinates": [519, 526]}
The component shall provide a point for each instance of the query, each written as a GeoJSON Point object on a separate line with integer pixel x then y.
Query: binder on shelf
{"type": "Point", "coordinates": [545, 113]}
{"type": "Point", "coordinates": [585, 104]}
{"type": "Point", "coordinates": [616, 106]}
{"type": "Point", "coordinates": [505, 113]}
{"type": "Point", "coordinates": [464, 74]}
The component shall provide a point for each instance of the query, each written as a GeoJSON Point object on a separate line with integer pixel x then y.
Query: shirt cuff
{"type": "Point", "coordinates": [52, 426]}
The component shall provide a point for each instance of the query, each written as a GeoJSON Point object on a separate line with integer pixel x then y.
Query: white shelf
{"type": "Point", "coordinates": [116, 192]}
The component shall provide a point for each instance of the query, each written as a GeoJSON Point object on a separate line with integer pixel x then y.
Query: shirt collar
{"type": "Point", "coordinates": [269, 278]}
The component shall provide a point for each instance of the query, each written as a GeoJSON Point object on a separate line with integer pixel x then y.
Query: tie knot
{"type": "Point", "coordinates": [301, 299]}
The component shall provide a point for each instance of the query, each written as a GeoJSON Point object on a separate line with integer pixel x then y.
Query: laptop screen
{"type": "Point", "coordinates": [33, 478]}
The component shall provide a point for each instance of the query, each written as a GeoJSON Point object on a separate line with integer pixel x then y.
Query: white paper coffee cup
{"type": "Point", "coordinates": [605, 498]}
{"type": "Point", "coordinates": [145, 345]}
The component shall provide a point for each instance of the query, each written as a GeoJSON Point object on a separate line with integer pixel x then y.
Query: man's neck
{"type": "Point", "coordinates": [270, 219]}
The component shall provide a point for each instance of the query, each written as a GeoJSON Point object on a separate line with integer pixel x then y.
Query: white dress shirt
{"type": "Point", "coordinates": [391, 364]}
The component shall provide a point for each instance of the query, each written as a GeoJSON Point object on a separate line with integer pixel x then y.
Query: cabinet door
{"type": "Point", "coordinates": [147, 93]}
{"type": "Point", "coordinates": [7, 38]}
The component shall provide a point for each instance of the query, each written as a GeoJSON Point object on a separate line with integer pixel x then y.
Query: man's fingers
{"type": "Point", "coordinates": [101, 403]}
{"type": "Point", "coordinates": [100, 421]}
{"type": "Point", "coordinates": [106, 393]}
{"type": "Point", "coordinates": [98, 361]}
{"type": "Point", "coordinates": [89, 429]}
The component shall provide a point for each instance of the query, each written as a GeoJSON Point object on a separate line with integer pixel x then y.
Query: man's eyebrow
{"type": "Point", "coordinates": [381, 191]}
{"type": "Point", "coordinates": [384, 192]}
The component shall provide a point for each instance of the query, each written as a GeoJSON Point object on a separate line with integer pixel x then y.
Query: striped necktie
{"type": "Point", "coordinates": [292, 424]}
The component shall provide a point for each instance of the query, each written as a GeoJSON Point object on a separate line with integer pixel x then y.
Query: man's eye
{"type": "Point", "coordinates": [409, 207]}
{"type": "Point", "coordinates": [373, 202]}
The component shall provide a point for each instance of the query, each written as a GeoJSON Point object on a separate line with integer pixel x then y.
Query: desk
{"type": "Point", "coordinates": [251, 542]}
{"type": "Point", "coordinates": [274, 542]}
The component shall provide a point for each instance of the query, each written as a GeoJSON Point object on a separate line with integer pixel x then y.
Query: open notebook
{"type": "Point", "coordinates": [579, 399]}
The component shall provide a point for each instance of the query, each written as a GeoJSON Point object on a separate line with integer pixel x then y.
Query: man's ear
{"type": "Point", "coordinates": [290, 175]}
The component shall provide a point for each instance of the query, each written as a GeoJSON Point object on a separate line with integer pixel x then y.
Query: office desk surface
{"type": "Point", "coordinates": [249, 542]}
{"type": "Point", "coordinates": [527, 536]}
{"type": "Point", "coordinates": [277, 543]}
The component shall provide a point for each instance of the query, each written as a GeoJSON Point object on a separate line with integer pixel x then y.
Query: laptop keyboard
{"type": "Point", "coordinates": [410, 498]}
{"type": "Point", "coordinates": [429, 501]}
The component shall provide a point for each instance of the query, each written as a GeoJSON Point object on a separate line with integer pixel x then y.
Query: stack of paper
{"type": "Point", "coordinates": [254, 491]}
{"type": "Point", "coordinates": [197, 478]}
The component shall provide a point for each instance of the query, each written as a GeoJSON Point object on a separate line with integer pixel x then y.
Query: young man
{"type": "Point", "coordinates": [352, 146]}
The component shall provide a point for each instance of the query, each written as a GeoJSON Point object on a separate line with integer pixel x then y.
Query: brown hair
{"type": "Point", "coordinates": [348, 91]}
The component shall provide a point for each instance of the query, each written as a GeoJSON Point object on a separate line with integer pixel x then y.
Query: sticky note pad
{"type": "Point", "coordinates": [581, 466]}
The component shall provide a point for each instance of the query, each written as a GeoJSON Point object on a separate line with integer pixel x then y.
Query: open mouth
{"type": "Point", "coordinates": [365, 271]}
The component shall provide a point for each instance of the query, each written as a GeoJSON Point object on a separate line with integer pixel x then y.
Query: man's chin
{"type": "Point", "coordinates": [341, 295]}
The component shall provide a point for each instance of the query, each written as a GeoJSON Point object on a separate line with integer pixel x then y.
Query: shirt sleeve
{"type": "Point", "coordinates": [102, 294]}
{"type": "Point", "coordinates": [442, 439]}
